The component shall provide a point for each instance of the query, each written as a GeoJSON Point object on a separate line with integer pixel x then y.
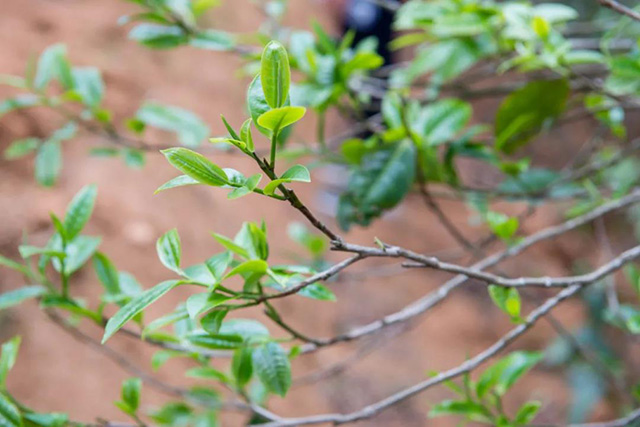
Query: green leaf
{"type": "Point", "coordinates": [254, 266]}
{"type": "Point", "coordinates": [15, 297]}
{"type": "Point", "coordinates": [213, 40]}
{"type": "Point", "coordinates": [275, 74]}
{"type": "Point", "coordinates": [89, 85]}
{"type": "Point", "coordinates": [136, 305]}
{"type": "Point", "coordinates": [79, 210]}
{"type": "Point", "coordinates": [527, 413]}
{"type": "Point", "coordinates": [78, 253]}
{"type": "Point", "coordinates": [161, 357]}
{"type": "Point", "coordinates": [502, 225]}
{"type": "Point", "coordinates": [169, 250]}
{"type": "Point", "coordinates": [133, 158]}
{"type": "Point", "coordinates": [8, 358]}
{"type": "Point", "coordinates": [218, 264]}
{"type": "Point", "coordinates": [6, 262]}
{"type": "Point", "coordinates": [279, 118]}
{"type": "Point", "coordinates": [18, 102]}
{"type": "Point", "coordinates": [241, 145]}
{"type": "Point", "coordinates": [471, 410]}
{"type": "Point", "coordinates": [207, 373]}
{"type": "Point", "coordinates": [10, 415]}
{"type": "Point", "coordinates": [191, 130]}
{"type": "Point", "coordinates": [27, 251]}
{"type": "Point", "coordinates": [168, 319]}
{"type": "Point", "coordinates": [249, 329]}
{"type": "Point", "coordinates": [507, 299]}
{"type": "Point", "coordinates": [503, 374]}
{"type": "Point", "coordinates": [379, 183]}
{"type": "Point", "coordinates": [440, 121]}
{"type": "Point", "coordinates": [52, 419]}
{"type": "Point", "coordinates": [196, 166]}
{"type": "Point", "coordinates": [130, 393]}
{"type": "Point", "coordinates": [215, 341]}
{"type": "Point", "coordinates": [257, 103]}
{"type": "Point", "coordinates": [362, 61]}
{"type": "Point", "coordinates": [107, 273]}
{"type": "Point", "coordinates": [230, 245]}
{"type": "Point", "coordinates": [48, 163]}
{"type": "Point", "coordinates": [633, 323]}
{"type": "Point", "coordinates": [524, 113]}
{"type": "Point", "coordinates": [253, 240]}
{"type": "Point", "coordinates": [273, 368]}
{"type": "Point", "coordinates": [198, 303]}
{"type": "Point", "coordinates": [232, 132]}
{"type": "Point", "coordinates": [21, 148]}
{"type": "Point", "coordinates": [296, 173]}
{"type": "Point", "coordinates": [178, 181]}
{"type": "Point", "coordinates": [158, 36]}
{"type": "Point", "coordinates": [245, 135]}
{"type": "Point", "coordinates": [242, 365]}
{"type": "Point", "coordinates": [62, 303]}
{"type": "Point", "coordinates": [318, 292]}
{"type": "Point", "coordinates": [53, 64]}
{"type": "Point", "coordinates": [212, 321]}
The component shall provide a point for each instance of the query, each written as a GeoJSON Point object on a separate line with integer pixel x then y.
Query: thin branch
{"type": "Point", "coordinates": [620, 8]}
{"type": "Point", "coordinates": [324, 275]}
{"type": "Point", "coordinates": [432, 299]}
{"type": "Point", "coordinates": [468, 366]}
{"type": "Point", "coordinates": [116, 357]}
{"type": "Point", "coordinates": [423, 261]}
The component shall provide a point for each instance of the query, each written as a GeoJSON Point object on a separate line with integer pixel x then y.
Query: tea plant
{"type": "Point", "coordinates": [428, 122]}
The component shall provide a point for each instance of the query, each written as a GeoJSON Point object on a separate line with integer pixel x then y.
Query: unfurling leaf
{"type": "Point", "coordinates": [275, 74]}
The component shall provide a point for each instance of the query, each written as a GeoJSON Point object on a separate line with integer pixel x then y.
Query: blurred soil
{"type": "Point", "coordinates": [56, 373]}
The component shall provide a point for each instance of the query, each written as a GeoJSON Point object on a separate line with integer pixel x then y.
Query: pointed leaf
{"type": "Point", "coordinates": [273, 368]}
{"type": "Point", "coordinates": [169, 250]}
{"type": "Point", "coordinates": [135, 306]}
{"type": "Point", "coordinates": [196, 166]}
{"type": "Point", "coordinates": [79, 210]}
{"type": "Point", "coordinates": [178, 181]}
{"type": "Point", "coordinates": [16, 296]}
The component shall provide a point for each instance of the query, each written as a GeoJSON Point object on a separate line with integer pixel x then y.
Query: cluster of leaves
{"type": "Point", "coordinates": [78, 98]}
{"type": "Point", "coordinates": [454, 36]}
{"type": "Point", "coordinates": [165, 24]}
{"type": "Point", "coordinates": [481, 401]}
{"type": "Point", "coordinates": [198, 323]}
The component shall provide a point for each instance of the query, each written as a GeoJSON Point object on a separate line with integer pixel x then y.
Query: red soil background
{"type": "Point", "coordinates": [56, 373]}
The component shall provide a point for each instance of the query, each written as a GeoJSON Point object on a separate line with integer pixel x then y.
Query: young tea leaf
{"type": "Point", "coordinates": [275, 74]}
{"type": "Point", "coordinates": [135, 306]}
{"type": "Point", "coordinates": [170, 250]}
{"type": "Point", "coordinates": [79, 210]}
{"type": "Point", "coordinates": [196, 166]}
{"type": "Point", "coordinates": [273, 368]}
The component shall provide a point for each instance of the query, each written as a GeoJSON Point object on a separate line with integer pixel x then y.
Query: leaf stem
{"type": "Point", "coordinates": [274, 143]}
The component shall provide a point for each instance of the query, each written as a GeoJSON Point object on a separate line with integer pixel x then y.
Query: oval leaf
{"type": "Point", "coordinates": [279, 118]}
{"type": "Point", "coordinates": [273, 368]}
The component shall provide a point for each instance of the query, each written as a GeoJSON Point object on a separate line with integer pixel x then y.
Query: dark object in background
{"type": "Point", "coordinates": [368, 19]}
